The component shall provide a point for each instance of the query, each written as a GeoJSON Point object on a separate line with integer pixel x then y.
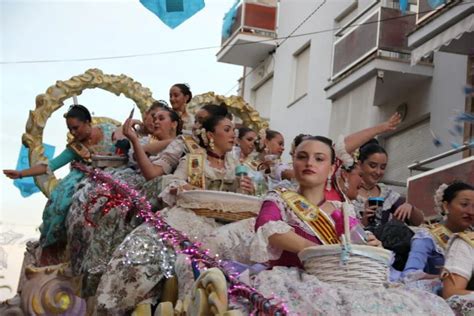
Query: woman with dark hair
{"type": "Point", "coordinates": [373, 159]}
{"type": "Point", "coordinates": [180, 96]}
{"type": "Point", "coordinates": [284, 229]}
{"type": "Point", "coordinates": [213, 169]}
{"type": "Point", "coordinates": [458, 282]}
{"type": "Point", "coordinates": [246, 142]}
{"type": "Point", "coordinates": [169, 158]}
{"type": "Point", "coordinates": [455, 202]}
{"type": "Point", "coordinates": [87, 140]}
{"type": "Point", "coordinates": [94, 244]}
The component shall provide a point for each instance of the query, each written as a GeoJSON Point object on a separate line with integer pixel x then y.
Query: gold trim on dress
{"type": "Point", "coordinates": [441, 234]}
{"type": "Point", "coordinates": [315, 219]}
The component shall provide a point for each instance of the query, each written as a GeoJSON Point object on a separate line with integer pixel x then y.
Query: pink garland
{"type": "Point", "coordinates": [130, 198]}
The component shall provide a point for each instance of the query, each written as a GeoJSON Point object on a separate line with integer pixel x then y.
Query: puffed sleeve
{"type": "Point", "coordinates": [175, 180]}
{"type": "Point", "coordinates": [268, 223]}
{"type": "Point", "coordinates": [170, 157]}
{"type": "Point", "coordinates": [460, 259]}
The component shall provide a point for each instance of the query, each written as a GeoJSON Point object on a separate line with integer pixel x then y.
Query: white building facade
{"type": "Point", "coordinates": [347, 67]}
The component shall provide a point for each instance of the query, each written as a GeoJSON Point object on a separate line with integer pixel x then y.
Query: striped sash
{"type": "Point", "coordinates": [315, 219]}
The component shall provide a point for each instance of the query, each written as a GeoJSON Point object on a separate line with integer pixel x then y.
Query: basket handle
{"type": "Point", "coordinates": [347, 229]}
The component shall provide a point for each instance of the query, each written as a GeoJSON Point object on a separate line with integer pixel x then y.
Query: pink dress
{"type": "Point", "coordinates": [304, 294]}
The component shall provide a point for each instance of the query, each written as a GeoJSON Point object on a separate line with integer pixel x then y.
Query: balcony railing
{"type": "Point", "coordinates": [383, 33]}
{"type": "Point", "coordinates": [251, 17]}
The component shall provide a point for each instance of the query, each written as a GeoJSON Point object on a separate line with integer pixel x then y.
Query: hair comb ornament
{"type": "Point", "coordinates": [438, 199]}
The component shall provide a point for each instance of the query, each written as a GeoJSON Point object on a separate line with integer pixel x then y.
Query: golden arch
{"type": "Point", "coordinates": [236, 105]}
{"type": "Point", "coordinates": [53, 99]}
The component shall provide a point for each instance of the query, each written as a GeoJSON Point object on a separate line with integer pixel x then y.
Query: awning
{"type": "Point", "coordinates": [443, 39]}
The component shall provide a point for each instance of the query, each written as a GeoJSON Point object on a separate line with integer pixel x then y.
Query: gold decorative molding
{"type": "Point", "coordinates": [236, 105]}
{"type": "Point", "coordinates": [53, 99]}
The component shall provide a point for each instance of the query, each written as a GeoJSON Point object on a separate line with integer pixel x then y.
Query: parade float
{"type": "Point", "coordinates": [56, 290]}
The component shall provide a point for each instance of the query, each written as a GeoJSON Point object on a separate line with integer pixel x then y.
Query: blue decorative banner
{"type": "Point", "coordinates": [173, 12]}
{"type": "Point", "coordinates": [403, 5]}
{"type": "Point", "coordinates": [229, 19]}
{"type": "Point", "coordinates": [27, 185]}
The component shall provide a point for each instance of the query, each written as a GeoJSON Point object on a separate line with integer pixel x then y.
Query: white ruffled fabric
{"type": "Point", "coordinates": [341, 152]}
{"type": "Point", "coordinates": [262, 251]}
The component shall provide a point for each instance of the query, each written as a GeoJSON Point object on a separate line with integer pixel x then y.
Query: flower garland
{"type": "Point", "coordinates": [127, 196]}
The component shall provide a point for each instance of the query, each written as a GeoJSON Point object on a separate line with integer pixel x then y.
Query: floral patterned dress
{"type": "Point", "coordinates": [136, 271]}
{"type": "Point", "coordinates": [304, 294]}
{"type": "Point", "coordinates": [91, 246]}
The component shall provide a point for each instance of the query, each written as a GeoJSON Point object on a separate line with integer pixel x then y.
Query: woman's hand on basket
{"type": "Point", "coordinates": [373, 241]}
{"type": "Point", "coordinates": [246, 185]}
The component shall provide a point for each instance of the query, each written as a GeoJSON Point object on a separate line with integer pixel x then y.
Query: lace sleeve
{"type": "Point", "coordinates": [170, 157]}
{"type": "Point", "coordinates": [262, 251]}
{"type": "Point", "coordinates": [176, 180]}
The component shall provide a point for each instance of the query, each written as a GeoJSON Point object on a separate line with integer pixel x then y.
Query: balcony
{"type": "Point", "coordinates": [376, 46]}
{"type": "Point", "coordinates": [448, 28]}
{"type": "Point", "coordinates": [248, 33]}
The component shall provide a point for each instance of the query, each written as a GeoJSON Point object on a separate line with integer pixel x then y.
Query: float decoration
{"type": "Point", "coordinates": [182, 244]}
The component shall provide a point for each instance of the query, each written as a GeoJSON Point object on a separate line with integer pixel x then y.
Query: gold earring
{"type": "Point", "coordinates": [211, 144]}
{"type": "Point", "coordinates": [328, 184]}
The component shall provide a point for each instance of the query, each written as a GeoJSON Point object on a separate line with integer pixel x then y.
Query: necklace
{"type": "Point", "coordinates": [214, 155]}
{"type": "Point", "coordinates": [369, 191]}
{"type": "Point", "coordinates": [321, 202]}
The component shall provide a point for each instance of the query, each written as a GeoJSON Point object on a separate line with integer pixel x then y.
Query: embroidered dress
{"type": "Point", "coordinates": [90, 248]}
{"type": "Point", "coordinates": [427, 252]}
{"type": "Point", "coordinates": [460, 260]}
{"type": "Point", "coordinates": [392, 200]}
{"type": "Point", "coordinates": [304, 294]}
{"type": "Point", "coordinates": [124, 285]}
{"type": "Point", "coordinates": [53, 228]}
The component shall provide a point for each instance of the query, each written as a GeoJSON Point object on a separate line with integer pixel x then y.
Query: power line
{"type": "Point", "coordinates": [211, 47]}
{"type": "Point", "coordinates": [283, 41]}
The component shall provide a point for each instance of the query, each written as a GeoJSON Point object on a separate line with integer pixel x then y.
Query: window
{"type": "Point", "coordinates": [301, 72]}
{"type": "Point", "coordinates": [262, 97]}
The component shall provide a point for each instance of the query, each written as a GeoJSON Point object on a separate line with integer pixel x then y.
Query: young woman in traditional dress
{"type": "Point", "coordinates": [429, 245]}
{"type": "Point", "coordinates": [180, 96]}
{"type": "Point", "coordinates": [136, 269]}
{"type": "Point", "coordinates": [88, 139]}
{"type": "Point", "coordinates": [282, 231]}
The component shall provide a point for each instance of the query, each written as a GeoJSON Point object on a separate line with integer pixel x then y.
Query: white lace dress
{"type": "Point", "coordinates": [304, 294]}
{"type": "Point", "coordinates": [134, 274]}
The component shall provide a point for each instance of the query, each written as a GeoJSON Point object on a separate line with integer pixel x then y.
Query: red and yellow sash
{"type": "Point", "coordinates": [315, 219]}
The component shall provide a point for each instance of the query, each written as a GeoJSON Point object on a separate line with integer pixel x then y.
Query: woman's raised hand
{"type": "Point", "coordinates": [12, 174]}
{"type": "Point", "coordinates": [129, 131]}
{"type": "Point", "coordinates": [392, 122]}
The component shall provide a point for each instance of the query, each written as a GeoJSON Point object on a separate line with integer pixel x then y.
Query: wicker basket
{"type": "Point", "coordinates": [222, 206]}
{"type": "Point", "coordinates": [355, 264]}
{"type": "Point", "coordinates": [223, 216]}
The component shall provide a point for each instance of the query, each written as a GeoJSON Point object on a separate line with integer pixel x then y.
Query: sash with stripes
{"type": "Point", "coordinates": [315, 219]}
{"type": "Point", "coordinates": [441, 235]}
